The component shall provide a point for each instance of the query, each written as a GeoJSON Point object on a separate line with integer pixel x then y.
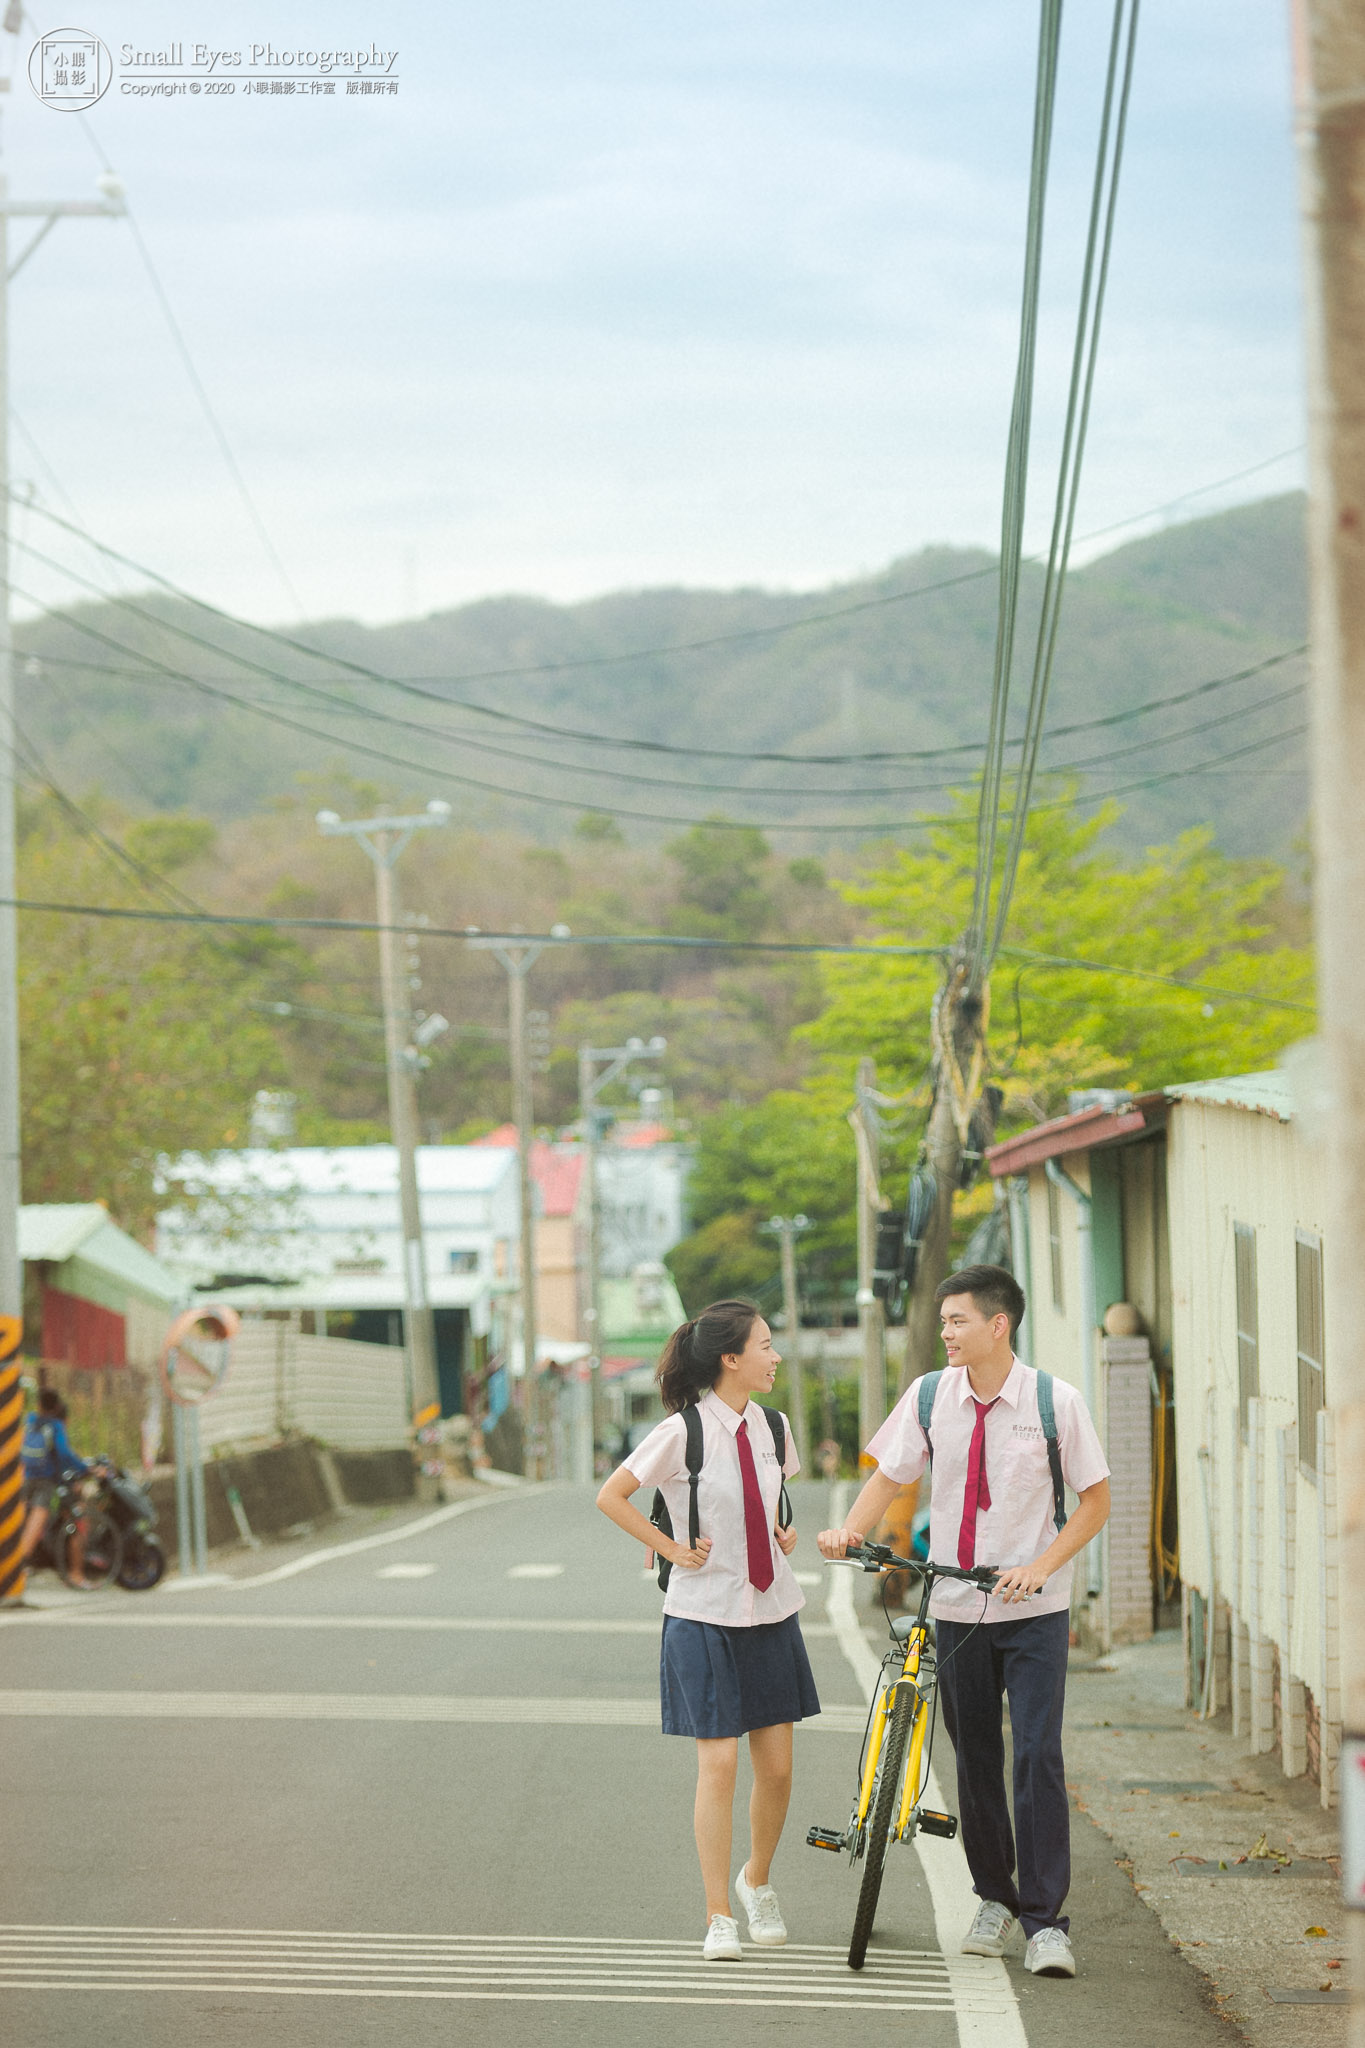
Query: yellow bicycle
{"type": "Point", "coordinates": [898, 1743]}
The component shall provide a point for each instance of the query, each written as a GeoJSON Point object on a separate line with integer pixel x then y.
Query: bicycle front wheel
{"type": "Point", "coordinates": [883, 1815]}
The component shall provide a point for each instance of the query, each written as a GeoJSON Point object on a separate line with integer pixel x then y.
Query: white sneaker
{"type": "Point", "coordinates": [1049, 1954]}
{"type": "Point", "coordinates": [767, 1929]}
{"type": "Point", "coordinates": [722, 1941]}
{"type": "Point", "coordinates": [990, 1931]}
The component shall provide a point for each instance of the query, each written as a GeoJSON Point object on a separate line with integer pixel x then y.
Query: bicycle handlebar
{"type": "Point", "coordinates": [878, 1557]}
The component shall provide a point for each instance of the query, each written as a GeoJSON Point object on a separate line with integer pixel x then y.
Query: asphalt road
{"type": "Point", "coordinates": [419, 1790]}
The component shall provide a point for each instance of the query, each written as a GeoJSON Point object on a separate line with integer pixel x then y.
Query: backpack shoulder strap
{"type": "Point", "coordinates": [928, 1389]}
{"type": "Point", "coordinates": [1047, 1415]}
{"type": "Point", "coordinates": [779, 1430]}
{"type": "Point", "coordinates": [692, 1424]}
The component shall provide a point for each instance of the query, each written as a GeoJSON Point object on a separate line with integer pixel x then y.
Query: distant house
{"type": "Point", "coordinates": [561, 1226]}
{"type": "Point", "coordinates": [1200, 1208]}
{"type": "Point", "coordinates": [315, 1231]}
{"type": "Point", "coordinates": [105, 1300]}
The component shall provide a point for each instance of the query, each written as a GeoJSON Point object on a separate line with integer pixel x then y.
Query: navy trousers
{"type": "Point", "coordinates": [978, 1667]}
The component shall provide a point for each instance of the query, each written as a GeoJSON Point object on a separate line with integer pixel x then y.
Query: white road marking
{"type": "Point", "coordinates": [499, 1624]}
{"type": "Point", "coordinates": [809, 1578]}
{"type": "Point", "coordinates": [536, 1571]}
{"type": "Point", "coordinates": [477, 1709]}
{"type": "Point", "coordinates": [504, 1968]}
{"type": "Point", "coordinates": [987, 2011]}
{"type": "Point", "coordinates": [405, 1571]}
{"type": "Point", "coordinates": [435, 1520]}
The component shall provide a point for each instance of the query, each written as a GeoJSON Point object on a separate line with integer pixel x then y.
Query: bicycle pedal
{"type": "Point", "coordinates": [944, 1824]}
{"type": "Point", "coordinates": [825, 1838]}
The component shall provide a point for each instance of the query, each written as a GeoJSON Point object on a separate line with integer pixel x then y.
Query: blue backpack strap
{"type": "Point", "coordinates": [692, 1424]}
{"type": "Point", "coordinates": [779, 1430]}
{"type": "Point", "coordinates": [928, 1389]}
{"type": "Point", "coordinates": [1047, 1415]}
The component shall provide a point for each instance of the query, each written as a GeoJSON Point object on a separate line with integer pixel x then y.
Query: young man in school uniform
{"type": "Point", "coordinates": [994, 1503]}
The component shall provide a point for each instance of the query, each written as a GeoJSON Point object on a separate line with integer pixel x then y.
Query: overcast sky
{"type": "Point", "coordinates": [619, 295]}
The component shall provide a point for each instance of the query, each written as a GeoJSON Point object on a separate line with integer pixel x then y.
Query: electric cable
{"type": "Point", "coordinates": [265, 921]}
{"type": "Point", "coordinates": [1016, 481]}
{"type": "Point", "coordinates": [1090, 315]}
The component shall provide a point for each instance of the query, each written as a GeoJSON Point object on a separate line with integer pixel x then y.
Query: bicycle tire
{"type": "Point", "coordinates": [879, 1827]}
{"type": "Point", "coordinates": [103, 1548]}
{"type": "Point", "coordinates": [142, 1564]}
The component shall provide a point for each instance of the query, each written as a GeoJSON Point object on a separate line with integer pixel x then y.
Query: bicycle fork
{"type": "Point", "coordinates": [918, 1675]}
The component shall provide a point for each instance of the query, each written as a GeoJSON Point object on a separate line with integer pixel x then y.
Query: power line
{"type": "Point", "coordinates": [656, 941]}
{"type": "Point", "coordinates": [182, 348]}
{"type": "Point", "coordinates": [889, 756]}
{"type": "Point", "coordinates": [1104, 205]}
{"type": "Point", "coordinates": [619, 775]}
{"type": "Point", "coordinates": [413, 687]}
{"type": "Point", "coordinates": [1016, 479]}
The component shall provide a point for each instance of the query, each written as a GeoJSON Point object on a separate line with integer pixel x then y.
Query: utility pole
{"type": "Point", "coordinates": [518, 958]}
{"type": "Point", "coordinates": [786, 1229]}
{"type": "Point", "coordinates": [384, 840]}
{"type": "Point", "coordinates": [958, 1027]}
{"type": "Point", "coordinates": [1330, 52]}
{"type": "Point", "coordinates": [48, 212]}
{"type": "Point", "coordinates": [590, 1085]}
{"type": "Point", "coordinates": [871, 1319]}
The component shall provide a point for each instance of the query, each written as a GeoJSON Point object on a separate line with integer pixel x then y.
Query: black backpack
{"type": "Point", "coordinates": [659, 1514]}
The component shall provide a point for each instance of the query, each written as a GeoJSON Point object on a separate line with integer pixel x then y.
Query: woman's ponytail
{"type": "Point", "coordinates": [690, 1360]}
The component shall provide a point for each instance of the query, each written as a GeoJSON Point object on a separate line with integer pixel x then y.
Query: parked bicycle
{"type": "Point", "coordinates": [898, 1742]}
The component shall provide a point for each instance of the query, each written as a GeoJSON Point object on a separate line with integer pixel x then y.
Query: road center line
{"type": "Point", "coordinates": [478, 1709]}
{"type": "Point", "coordinates": [943, 1863]}
{"type": "Point", "coordinates": [125, 1617]}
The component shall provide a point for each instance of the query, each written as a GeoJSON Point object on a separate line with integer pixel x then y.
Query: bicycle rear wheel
{"type": "Point", "coordinates": [103, 1547]}
{"type": "Point", "coordinates": [883, 1814]}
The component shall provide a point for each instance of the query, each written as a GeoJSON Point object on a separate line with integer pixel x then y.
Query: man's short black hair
{"type": "Point", "coordinates": [994, 1291]}
{"type": "Point", "coordinates": [50, 1402]}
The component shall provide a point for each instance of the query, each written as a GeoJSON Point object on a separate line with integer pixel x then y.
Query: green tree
{"type": "Point", "coordinates": [721, 892]}
{"type": "Point", "coordinates": [1179, 913]}
{"type": "Point", "coordinates": [136, 1040]}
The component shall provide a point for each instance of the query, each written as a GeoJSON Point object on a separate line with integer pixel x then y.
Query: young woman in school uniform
{"type": "Point", "coordinates": [732, 1661]}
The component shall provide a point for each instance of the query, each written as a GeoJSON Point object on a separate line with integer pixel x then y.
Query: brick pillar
{"type": "Point", "coordinates": [1126, 1363]}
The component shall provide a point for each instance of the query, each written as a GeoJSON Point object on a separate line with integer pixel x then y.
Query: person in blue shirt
{"type": "Point", "coordinates": [49, 1460]}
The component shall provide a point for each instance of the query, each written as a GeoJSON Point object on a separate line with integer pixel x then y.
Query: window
{"type": "Point", "coordinates": [1308, 1277]}
{"type": "Point", "coordinates": [1248, 1342]}
{"type": "Point", "coordinates": [464, 1262]}
{"type": "Point", "coordinates": [1054, 1242]}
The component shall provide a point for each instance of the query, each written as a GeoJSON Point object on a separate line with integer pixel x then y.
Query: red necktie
{"type": "Point", "coordinates": [978, 1493]}
{"type": "Point", "coordinates": [756, 1536]}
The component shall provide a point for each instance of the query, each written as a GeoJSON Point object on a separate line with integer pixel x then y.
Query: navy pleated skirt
{"type": "Point", "coordinates": [716, 1681]}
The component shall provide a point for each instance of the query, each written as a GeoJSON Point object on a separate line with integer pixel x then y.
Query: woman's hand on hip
{"type": "Point", "coordinates": [690, 1560]}
{"type": "Point", "coordinates": [786, 1540]}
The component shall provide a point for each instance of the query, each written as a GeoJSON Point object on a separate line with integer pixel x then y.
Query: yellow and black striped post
{"type": "Point", "coordinates": [13, 1575]}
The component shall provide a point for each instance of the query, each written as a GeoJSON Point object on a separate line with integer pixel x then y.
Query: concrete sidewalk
{"type": "Point", "coordinates": [1164, 1785]}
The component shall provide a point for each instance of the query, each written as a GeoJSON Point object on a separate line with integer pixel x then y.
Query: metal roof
{"type": "Point", "coordinates": [1077, 1133]}
{"type": "Point", "coordinates": [58, 1231]}
{"type": "Point", "coordinates": [337, 1169]}
{"type": "Point", "coordinates": [54, 1230]}
{"type": "Point", "coordinates": [1270, 1094]}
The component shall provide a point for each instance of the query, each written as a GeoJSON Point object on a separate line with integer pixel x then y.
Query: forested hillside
{"type": "Point", "coordinates": [164, 706]}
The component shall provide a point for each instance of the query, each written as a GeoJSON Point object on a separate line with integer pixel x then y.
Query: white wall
{"type": "Point", "coordinates": [351, 1397]}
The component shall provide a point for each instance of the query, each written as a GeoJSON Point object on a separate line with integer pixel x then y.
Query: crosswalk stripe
{"type": "Point", "coordinates": [501, 1968]}
{"type": "Point", "coordinates": [520, 1710]}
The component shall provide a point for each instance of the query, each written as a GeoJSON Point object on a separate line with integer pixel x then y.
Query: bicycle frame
{"type": "Point", "coordinates": [918, 1670]}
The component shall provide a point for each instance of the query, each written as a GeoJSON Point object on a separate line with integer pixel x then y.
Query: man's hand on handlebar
{"type": "Point", "coordinates": [1021, 1582]}
{"type": "Point", "coordinates": [838, 1542]}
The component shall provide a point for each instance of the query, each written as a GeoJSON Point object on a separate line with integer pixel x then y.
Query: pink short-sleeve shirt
{"type": "Point", "coordinates": [720, 1591]}
{"type": "Point", "coordinates": [1018, 1526]}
